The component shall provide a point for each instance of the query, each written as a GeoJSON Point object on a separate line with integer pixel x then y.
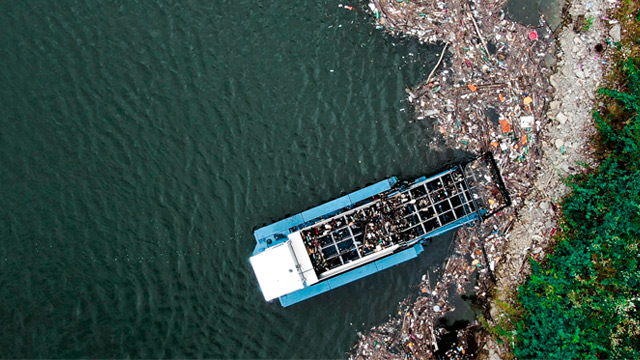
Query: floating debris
{"type": "Point", "coordinates": [492, 95]}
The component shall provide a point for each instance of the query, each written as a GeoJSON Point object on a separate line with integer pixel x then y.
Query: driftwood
{"type": "Point", "coordinates": [475, 25]}
{"type": "Point", "coordinates": [438, 63]}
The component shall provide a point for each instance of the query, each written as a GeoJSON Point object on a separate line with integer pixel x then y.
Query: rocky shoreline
{"type": "Point", "coordinates": [498, 88]}
{"type": "Point", "coordinates": [567, 142]}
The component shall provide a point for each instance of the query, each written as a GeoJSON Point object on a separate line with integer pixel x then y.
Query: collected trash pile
{"type": "Point", "coordinates": [491, 96]}
{"type": "Point", "coordinates": [356, 234]}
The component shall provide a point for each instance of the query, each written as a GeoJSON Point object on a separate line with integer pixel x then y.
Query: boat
{"type": "Point", "coordinates": [371, 229]}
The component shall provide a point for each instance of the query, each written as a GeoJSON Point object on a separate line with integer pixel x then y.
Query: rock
{"type": "Point", "coordinates": [559, 143]}
{"type": "Point", "coordinates": [615, 33]}
{"type": "Point", "coordinates": [583, 53]}
{"type": "Point", "coordinates": [544, 206]}
{"type": "Point", "coordinates": [555, 104]}
{"type": "Point", "coordinates": [549, 60]}
{"type": "Point", "coordinates": [562, 118]}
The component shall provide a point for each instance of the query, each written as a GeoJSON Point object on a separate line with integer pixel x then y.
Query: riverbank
{"type": "Point", "coordinates": [589, 283]}
{"type": "Point", "coordinates": [495, 91]}
{"type": "Point", "coordinates": [568, 142]}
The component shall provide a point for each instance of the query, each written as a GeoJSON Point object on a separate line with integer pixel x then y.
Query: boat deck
{"type": "Point", "coordinates": [371, 229]}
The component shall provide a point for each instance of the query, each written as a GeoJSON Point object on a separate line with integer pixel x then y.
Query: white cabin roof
{"type": "Point", "coordinates": [277, 271]}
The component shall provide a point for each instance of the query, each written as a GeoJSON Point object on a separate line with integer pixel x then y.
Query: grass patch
{"type": "Point", "coordinates": [588, 23]}
{"type": "Point", "coordinates": [628, 16]}
{"type": "Point", "coordinates": [503, 329]}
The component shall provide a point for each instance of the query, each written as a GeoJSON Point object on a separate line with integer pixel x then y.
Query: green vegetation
{"type": "Point", "coordinates": [588, 22]}
{"type": "Point", "coordinates": [504, 326]}
{"type": "Point", "coordinates": [584, 301]}
{"type": "Point", "coordinates": [628, 15]}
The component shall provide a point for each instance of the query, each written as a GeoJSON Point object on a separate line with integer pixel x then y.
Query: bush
{"type": "Point", "coordinates": [584, 302]}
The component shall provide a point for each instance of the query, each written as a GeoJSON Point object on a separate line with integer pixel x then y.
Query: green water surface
{"type": "Point", "coordinates": [141, 144]}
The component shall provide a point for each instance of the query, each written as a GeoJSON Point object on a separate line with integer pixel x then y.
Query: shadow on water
{"type": "Point", "coordinates": [528, 11]}
{"type": "Point", "coordinates": [449, 339]}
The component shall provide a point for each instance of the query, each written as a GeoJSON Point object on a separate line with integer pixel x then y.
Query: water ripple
{"type": "Point", "coordinates": [144, 141]}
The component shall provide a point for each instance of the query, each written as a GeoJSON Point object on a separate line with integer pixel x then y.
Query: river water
{"type": "Point", "coordinates": [143, 141]}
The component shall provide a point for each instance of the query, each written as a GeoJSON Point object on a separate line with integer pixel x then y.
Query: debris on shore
{"type": "Point", "coordinates": [491, 94]}
{"type": "Point", "coordinates": [495, 91]}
